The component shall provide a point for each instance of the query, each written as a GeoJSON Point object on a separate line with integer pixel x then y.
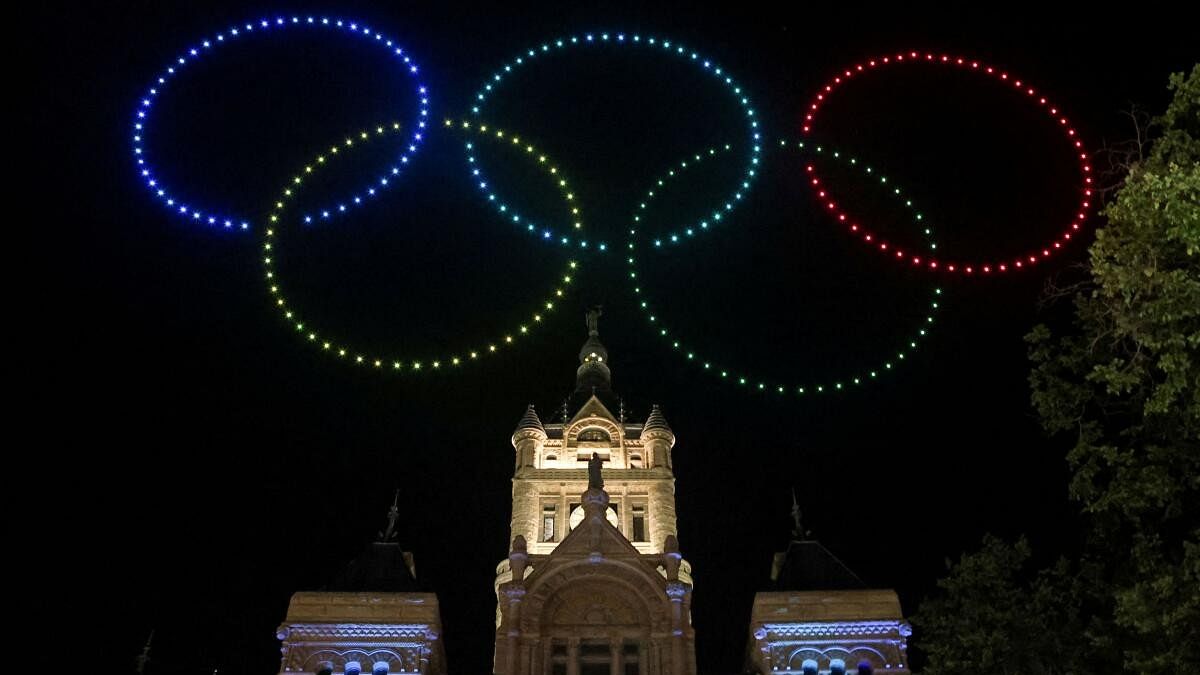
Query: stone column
{"type": "Point", "coordinates": [616, 656]}
{"type": "Point", "coordinates": [677, 591]}
{"type": "Point", "coordinates": [545, 660]}
{"type": "Point", "coordinates": [626, 518]}
{"type": "Point", "coordinates": [526, 509]}
{"type": "Point", "coordinates": [764, 649]}
{"type": "Point", "coordinates": [660, 509]}
{"type": "Point", "coordinates": [564, 514]}
{"type": "Point", "coordinates": [527, 658]}
{"type": "Point", "coordinates": [573, 656]}
{"type": "Point", "coordinates": [514, 595]}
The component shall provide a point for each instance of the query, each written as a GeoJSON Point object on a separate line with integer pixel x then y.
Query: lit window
{"type": "Point", "coordinates": [594, 436]}
{"type": "Point", "coordinates": [548, 529]}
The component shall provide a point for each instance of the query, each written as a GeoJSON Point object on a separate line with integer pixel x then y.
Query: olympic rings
{"type": "Point", "coordinates": [659, 45]}
{"type": "Point", "coordinates": [569, 235]}
{"type": "Point", "coordinates": [395, 363]}
{"type": "Point", "coordinates": [723, 372]}
{"type": "Point", "coordinates": [1022, 87]}
{"type": "Point", "coordinates": [511, 214]}
{"type": "Point", "coordinates": [227, 220]}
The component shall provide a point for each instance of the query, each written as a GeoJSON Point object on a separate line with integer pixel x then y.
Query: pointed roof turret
{"type": "Point", "coordinates": [657, 429]}
{"type": "Point", "coordinates": [529, 427]}
{"type": "Point", "coordinates": [656, 420]}
{"type": "Point", "coordinates": [530, 420]}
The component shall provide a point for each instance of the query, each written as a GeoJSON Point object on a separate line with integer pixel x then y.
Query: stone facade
{"type": "Point", "coordinates": [376, 633]}
{"type": "Point", "coordinates": [595, 583]}
{"type": "Point", "coordinates": [550, 475]}
{"type": "Point", "coordinates": [595, 605]}
{"type": "Point", "coordinates": [822, 619]}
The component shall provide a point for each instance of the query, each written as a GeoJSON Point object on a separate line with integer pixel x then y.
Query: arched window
{"type": "Point", "coordinates": [551, 457]}
{"type": "Point", "coordinates": [594, 436]}
{"type": "Point", "coordinates": [635, 461]}
{"type": "Point", "coordinates": [809, 667]}
{"type": "Point", "coordinates": [837, 667]}
{"type": "Point", "coordinates": [353, 668]}
{"type": "Point", "coordinates": [864, 668]}
{"type": "Point", "coordinates": [325, 668]}
{"type": "Point", "coordinates": [380, 668]}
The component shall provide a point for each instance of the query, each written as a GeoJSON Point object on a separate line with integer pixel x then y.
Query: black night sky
{"type": "Point", "coordinates": [230, 464]}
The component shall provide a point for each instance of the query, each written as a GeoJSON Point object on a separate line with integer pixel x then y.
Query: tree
{"type": "Point", "coordinates": [1124, 380]}
{"type": "Point", "coordinates": [995, 615]}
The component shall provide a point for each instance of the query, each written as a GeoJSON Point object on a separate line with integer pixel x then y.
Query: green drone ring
{"type": "Point", "coordinates": [448, 360]}
{"type": "Point", "coordinates": [743, 379]}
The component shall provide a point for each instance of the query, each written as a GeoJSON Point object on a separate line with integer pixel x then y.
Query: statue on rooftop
{"type": "Point", "coordinates": [595, 480]}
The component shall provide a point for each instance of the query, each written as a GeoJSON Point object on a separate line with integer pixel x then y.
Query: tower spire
{"type": "Point", "coordinates": [593, 374]}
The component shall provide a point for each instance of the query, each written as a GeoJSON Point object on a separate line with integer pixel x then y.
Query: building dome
{"type": "Point", "coordinates": [593, 351]}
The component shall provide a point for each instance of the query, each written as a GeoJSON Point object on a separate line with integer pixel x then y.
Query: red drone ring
{"type": "Point", "coordinates": [929, 262]}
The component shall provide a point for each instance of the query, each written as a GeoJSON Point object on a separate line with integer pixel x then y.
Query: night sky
{"type": "Point", "coordinates": [228, 463]}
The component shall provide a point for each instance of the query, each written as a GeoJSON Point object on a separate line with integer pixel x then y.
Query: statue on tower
{"type": "Point", "coordinates": [798, 531]}
{"type": "Point", "coordinates": [593, 320]}
{"type": "Point", "coordinates": [393, 516]}
{"type": "Point", "coordinates": [595, 480]}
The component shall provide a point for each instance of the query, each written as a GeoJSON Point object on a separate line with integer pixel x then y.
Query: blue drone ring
{"type": "Point", "coordinates": [186, 207]}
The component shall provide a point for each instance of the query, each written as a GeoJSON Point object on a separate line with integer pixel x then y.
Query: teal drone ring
{"type": "Point", "coordinates": [656, 45]}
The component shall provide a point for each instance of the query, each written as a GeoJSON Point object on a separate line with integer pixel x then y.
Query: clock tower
{"type": "Point", "coordinates": [594, 583]}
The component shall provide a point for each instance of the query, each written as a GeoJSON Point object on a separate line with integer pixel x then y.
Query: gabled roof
{"type": "Point", "coordinates": [593, 407]}
{"type": "Point", "coordinates": [594, 536]}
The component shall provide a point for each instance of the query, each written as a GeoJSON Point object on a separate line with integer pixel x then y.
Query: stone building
{"type": "Point", "coordinates": [374, 618]}
{"type": "Point", "coordinates": [594, 583]}
{"type": "Point", "coordinates": [819, 617]}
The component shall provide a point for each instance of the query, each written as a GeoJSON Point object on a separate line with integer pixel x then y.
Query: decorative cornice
{"type": "Point", "coordinates": [339, 631]}
{"type": "Point", "coordinates": [840, 629]}
{"type": "Point", "coordinates": [580, 475]}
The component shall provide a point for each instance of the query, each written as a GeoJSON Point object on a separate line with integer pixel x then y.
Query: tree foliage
{"type": "Point", "coordinates": [995, 616]}
{"type": "Point", "coordinates": [1124, 382]}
